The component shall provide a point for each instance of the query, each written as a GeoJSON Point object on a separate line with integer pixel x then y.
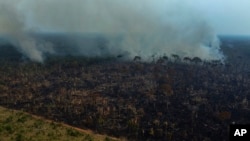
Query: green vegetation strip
{"type": "Point", "coordinates": [20, 126]}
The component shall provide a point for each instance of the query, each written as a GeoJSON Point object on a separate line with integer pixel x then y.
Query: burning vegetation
{"type": "Point", "coordinates": [167, 99]}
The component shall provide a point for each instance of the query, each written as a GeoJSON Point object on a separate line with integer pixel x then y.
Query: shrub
{"type": "Point", "coordinates": [19, 137]}
{"type": "Point", "coordinates": [9, 129]}
{"type": "Point", "coordinates": [73, 133]}
{"type": "Point", "coordinates": [88, 138]}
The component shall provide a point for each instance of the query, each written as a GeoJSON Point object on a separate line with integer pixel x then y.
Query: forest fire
{"type": "Point", "coordinates": [132, 99]}
{"type": "Point", "coordinates": [140, 70]}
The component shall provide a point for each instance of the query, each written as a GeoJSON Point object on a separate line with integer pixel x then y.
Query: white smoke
{"type": "Point", "coordinates": [132, 27]}
{"type": "Point", "coordinates": [13, 26]}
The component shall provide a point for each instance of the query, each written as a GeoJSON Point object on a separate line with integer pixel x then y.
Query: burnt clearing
{"type": "Point", "coordinates": [167, 99]}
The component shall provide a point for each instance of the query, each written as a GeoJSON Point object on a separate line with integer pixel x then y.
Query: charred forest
{"type": "Point", "coordinates": [170, 98]}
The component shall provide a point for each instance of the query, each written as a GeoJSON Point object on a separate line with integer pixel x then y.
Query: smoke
{"type": "Point", "coordinates": [109, 27]}
{"type": "Point", "coordinates": [12, 25]}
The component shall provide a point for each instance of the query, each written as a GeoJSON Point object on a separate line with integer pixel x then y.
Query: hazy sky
{"type": "Point", "coordinates": [226, 16]}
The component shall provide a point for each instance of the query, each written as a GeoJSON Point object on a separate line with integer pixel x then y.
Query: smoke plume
{"type": "Point", "coordinates": [12, 25]}
{"type": "Point", "coordinates": [109, 27]}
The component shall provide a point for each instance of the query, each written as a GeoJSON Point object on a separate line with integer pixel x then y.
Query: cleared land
{"type": "Point", "coordinates": [20, 126]}
{"type": "Point", "coordinates": [171, 98]}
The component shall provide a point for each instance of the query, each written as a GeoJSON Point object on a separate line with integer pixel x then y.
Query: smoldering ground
{"type": "Point", "coordinates": [97, 28]}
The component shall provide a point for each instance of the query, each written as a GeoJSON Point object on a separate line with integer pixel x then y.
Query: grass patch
{"type": "Point", "coordinates": [73, 133]}
{"type": "Point", "coordinates": [20, 126]}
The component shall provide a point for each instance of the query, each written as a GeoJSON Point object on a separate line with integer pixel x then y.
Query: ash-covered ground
{"type": "Point", "coordinates": [168, 98]}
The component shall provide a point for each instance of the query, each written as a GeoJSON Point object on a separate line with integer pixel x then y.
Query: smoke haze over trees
{"type": "Point", "coordinates": [132, 28]}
